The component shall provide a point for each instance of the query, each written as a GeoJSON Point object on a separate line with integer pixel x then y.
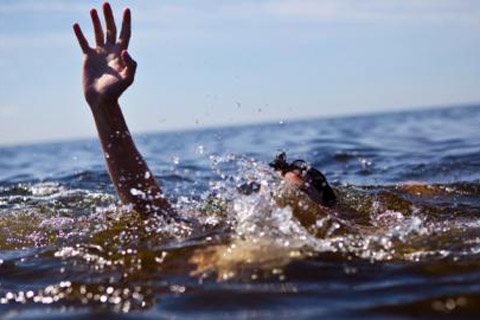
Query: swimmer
{"type": "Point", "coordinates": [108, 71]}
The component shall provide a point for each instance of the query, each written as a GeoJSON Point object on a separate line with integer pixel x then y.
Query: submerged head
{"type": "Point", "coordinates": [306, 178]}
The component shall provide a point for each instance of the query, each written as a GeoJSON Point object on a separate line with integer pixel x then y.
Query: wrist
{"type": "Point", "coordinates": [109, 119]}
{"type": "Point", "coordinates": [101, 103]}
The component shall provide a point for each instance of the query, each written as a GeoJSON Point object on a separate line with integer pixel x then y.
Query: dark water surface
{"type": "Point", "coordinates": [404, 241]}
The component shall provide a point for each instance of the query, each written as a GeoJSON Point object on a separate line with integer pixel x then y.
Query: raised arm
{"type": "Point", "coordinates": [108, 70]}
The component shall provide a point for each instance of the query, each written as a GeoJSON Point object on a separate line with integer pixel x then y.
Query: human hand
{"type": "Point", "coordinates": [108, 69]}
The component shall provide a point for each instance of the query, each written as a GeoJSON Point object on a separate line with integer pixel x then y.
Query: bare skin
{"type": "Point", "coordinates": [108, 70]}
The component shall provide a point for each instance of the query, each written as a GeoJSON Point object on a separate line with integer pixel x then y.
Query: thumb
{"type": "Point", "coordinates": [130, 64]}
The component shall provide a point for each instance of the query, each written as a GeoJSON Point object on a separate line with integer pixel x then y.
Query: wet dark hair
{"type": "Point", "coordinates": [320, 190]}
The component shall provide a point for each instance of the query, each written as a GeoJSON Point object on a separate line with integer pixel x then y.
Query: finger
{"type": "Point", "coordinates": [126, 31]}
{"type": "Point", "coordinates": [82, 41]}
{"type": "Point", "coordinates": [129, 62]}
{"type": "Point", "coordinates": [130, 65]}
{"type": "Point", "coordinates": [110, 22]}
{"type": "Point", "coordinates": [97, 27]}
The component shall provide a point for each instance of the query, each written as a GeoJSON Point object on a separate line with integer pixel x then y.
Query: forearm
{"type": "Point", "coordinates": [133, 180]}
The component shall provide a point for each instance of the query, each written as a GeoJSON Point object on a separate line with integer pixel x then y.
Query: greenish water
{"type": "Point", "coordinates": [404, 241]}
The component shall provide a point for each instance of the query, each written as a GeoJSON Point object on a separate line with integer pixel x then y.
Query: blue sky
{"type": "Point", "coordinates": [212, 62]}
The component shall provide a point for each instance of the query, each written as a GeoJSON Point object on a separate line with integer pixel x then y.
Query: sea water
{"type": "Point", "coordinates": [404, 240]}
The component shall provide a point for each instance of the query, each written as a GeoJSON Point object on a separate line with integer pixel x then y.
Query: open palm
{"type": "Point", "coordinates": [108, 69]}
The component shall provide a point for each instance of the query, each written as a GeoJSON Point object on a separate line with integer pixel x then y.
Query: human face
{"type": "Point", "coordinates": [296, 179]}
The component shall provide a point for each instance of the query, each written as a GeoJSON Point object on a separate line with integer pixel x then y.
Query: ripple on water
{"type": "Point", "coordinates": [393, 246]}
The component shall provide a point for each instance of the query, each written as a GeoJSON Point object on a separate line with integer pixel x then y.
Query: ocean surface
{"type": "Point", "coordinates": [403, 242]}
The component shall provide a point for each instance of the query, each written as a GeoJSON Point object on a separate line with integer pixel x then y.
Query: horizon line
{"type": "Point", "coordinates": [136, 134]}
